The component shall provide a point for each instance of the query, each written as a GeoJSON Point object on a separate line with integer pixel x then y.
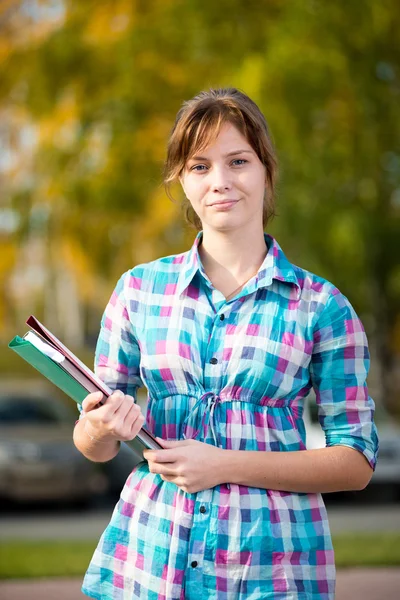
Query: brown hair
{"type": "Point", "coordinates": [198, 124]}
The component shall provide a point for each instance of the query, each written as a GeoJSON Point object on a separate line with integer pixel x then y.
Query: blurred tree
{"type": "Point", "coordinates": [335, 109]}
{"type": "Point", "coordinates": [89, 92]}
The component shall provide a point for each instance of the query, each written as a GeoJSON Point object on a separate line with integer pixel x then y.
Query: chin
{"type": "Point", "coordinates": [224, 227]}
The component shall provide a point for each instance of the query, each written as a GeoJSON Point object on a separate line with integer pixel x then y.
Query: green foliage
{"type": "Point", "coordinates": [101, 89]}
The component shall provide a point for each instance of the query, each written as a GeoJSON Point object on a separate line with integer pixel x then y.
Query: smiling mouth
{"type": "Point", "coordinates": [224, 203]}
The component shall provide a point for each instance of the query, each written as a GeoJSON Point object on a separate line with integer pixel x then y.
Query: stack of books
{"type": "Point", "coordinates": [41, 349]}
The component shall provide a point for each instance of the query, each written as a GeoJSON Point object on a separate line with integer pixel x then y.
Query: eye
{"type": "Point", "coordinates": [198, 168]}
{"type": "Point", "coordinates": [239, 161]}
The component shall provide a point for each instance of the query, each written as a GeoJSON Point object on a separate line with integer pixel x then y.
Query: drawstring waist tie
{"type": "Point", "coordinates": [207, 403]}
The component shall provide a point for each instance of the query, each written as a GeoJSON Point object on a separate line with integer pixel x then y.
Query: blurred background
{"type": "Point", "coordinates": [88, 95]}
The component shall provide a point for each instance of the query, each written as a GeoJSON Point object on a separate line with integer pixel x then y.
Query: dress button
{"type": "Point", "coordinates": [221, 317]}
{"type": "Point", "coordinates": [194, 564]}
{"type": "Point", "coordinates": [213, 361]}
{"type": "Point", "coordinates": [202, 509]}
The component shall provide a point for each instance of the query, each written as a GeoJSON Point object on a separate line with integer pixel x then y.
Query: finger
{"type": "Point", "coordinates": [148, 454]}
{"type": "Point", "coordinates": [129, 412]}
{"type": "Point", "coordinates": [116, 408]}
{"type": "Point", "coordinates": [126, 421]}
{"type": "Point", "coordinates": [164, 456]}
{"type": "Point", "coordinates": [115, 400]}
{"type": "Point", "coordinates": [111, 414]}
{"type": "Point", "coordinates": [162, 469]}
{"type": "Point", "coordinates": [136, 426]}
{"type": "Point", "coordinates": [173, 443]}
{"type": "Point", "coordinates": [91, 401]}
{"type": "Point", "coordinates": [179, 481]}
{"type": "Point", "coordinates": [168, 478]}
{"type": "Point", "coordinates": [126, 410]}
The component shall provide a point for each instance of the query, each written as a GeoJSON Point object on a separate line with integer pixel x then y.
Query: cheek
{"type": "Point", "coordinates": [252, 185]}
{"type": "Point", "coordinates": [194, 190]}
{"type": "Point", "coordinates": [256, 186]}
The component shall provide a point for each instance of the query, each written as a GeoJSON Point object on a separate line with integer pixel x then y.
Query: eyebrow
{"type": "Point", "coordinates": [233, 153]}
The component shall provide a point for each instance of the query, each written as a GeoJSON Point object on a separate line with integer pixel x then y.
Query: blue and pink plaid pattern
{"type": "Point", "coordinates": [233, 374]}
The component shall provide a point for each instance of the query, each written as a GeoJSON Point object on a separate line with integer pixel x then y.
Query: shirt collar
{"type": "Point", "coordinates": [275, 266]}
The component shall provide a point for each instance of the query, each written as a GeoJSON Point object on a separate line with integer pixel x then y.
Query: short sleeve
{"type": "Point", "coordinates": [117, 355]}
{"type": "Point", "coordinates": [339, 368]}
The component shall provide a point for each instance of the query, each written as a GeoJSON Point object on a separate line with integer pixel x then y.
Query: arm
{"type": "Point", "coordinates": [324, 470]}
{"type": "Point", "coordinates": [100, 429]}
{"type": "Point", "coordinates": [196, 466]}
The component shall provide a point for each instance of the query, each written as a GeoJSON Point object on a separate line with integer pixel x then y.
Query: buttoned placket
{"type": "Point", "coordinates": [213, 370]}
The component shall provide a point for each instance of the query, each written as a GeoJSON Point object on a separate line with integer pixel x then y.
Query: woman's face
{"type": "Point", "coordinates": [226, 184]}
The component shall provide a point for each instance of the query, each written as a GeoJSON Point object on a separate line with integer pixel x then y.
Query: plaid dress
{"type": "Point", "coordinates": [234, 374]}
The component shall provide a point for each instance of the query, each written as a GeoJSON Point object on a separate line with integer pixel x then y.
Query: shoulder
{"type": "Point", "coordinates": [322, 297]}
{"type": "Point", "coordinates": [310, 293]}
{"type": "Point", "coordinates": [333, 319]}
{"type": "Point", "coordinates": [147, 276]}
{"type": "Point", "coordinates": [314, 287]}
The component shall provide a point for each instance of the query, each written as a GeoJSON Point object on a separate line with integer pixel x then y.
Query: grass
{"type": "Point", "coordinates": [367, 550]}
{"type": "Point", "coordinates": [20, 560]}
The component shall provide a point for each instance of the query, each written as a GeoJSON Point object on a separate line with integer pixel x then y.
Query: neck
{"type": "Point", "coordinates": [234, 254]}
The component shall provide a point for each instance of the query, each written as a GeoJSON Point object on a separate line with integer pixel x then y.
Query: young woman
{"type": "Point", "coordinates": [228, 338]}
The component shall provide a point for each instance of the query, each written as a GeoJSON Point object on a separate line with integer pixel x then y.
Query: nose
{"type": "Point", "coordinates": [221, 180]}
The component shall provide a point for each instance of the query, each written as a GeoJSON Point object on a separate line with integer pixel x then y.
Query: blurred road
{"type": "Point", "coordinates": [90, 524]}
{"type": "Point", "coordinates": [352, 584]}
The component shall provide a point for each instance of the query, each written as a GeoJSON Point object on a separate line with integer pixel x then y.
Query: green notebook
{"type": "Point", "coordinates": [50, 369]}
{"type": "Point", "coordinates": [68, 373]}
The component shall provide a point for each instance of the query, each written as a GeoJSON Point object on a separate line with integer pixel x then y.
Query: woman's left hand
{"type": "Point", "coordinates": [193, 466]}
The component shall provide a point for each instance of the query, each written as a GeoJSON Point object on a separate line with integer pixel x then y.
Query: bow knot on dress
{"type": "Point", "coordinates": [203, 411]}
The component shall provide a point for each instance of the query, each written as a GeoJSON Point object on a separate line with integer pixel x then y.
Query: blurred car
{"type": "Point", "coordinates": [386, 476]}
{"type": "Point", "coordinates": [38, 459]}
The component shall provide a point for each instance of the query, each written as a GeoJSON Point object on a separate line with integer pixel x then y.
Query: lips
{"type": "Point", "coordinates": [224, 203]}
